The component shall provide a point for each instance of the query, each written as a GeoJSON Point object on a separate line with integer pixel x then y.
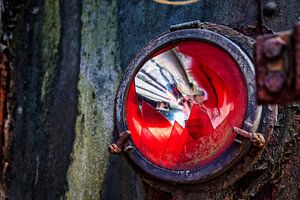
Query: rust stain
{"type": "Point", "coordinates": [5, 116]}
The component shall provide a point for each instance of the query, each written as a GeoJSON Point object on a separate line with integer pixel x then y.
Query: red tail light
{"type": "Point", "coordinates": [182, 105]}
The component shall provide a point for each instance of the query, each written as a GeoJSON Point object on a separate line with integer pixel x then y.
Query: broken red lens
{"type": "Point", "coordinates": [182, 105]}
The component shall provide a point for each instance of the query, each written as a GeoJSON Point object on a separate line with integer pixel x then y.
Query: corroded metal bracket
{"type": "Point", "coordinates": [120, 145]}
{"type": "Point", "coordinates": [257, 139]}
{"type": "Point", "coordinates": [278, 67]}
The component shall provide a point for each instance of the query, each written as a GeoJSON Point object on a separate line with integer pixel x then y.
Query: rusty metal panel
{"type": "Point", "coordinates": [277, 67]}
{"type": "Point", "coordinates": [297, 56]}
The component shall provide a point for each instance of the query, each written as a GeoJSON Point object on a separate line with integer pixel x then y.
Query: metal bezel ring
{"type": "Point", "coordinates": [228, 158]}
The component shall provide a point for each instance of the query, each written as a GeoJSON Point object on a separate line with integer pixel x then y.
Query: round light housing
{"type": "Point", "coordinates": [180, 97]}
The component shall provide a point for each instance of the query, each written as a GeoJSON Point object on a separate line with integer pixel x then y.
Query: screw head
{"type": "Point", "coordinates": [270, 9]}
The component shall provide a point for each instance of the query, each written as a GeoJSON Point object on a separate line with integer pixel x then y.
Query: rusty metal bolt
{"type": "Point", "coordinates": [274, 81]}
{"type": "Point", "coordinates": [257, 139]}
{"type": "Point", "coordinates": [114, 149]}
{"type": "Point", "coordinates": [119, 146]}
{"type": "Point", "coordinates": [270, 9]}
{"type": "Point", "coordinates": [273, 47]}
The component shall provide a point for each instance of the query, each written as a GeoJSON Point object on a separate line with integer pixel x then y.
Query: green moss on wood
{"type": "Point", "coordinates": [50, 44]}
{"type": "Point", "coordinates": [86, 171]}
{"type": "Point", "coordinates": [99, 77]}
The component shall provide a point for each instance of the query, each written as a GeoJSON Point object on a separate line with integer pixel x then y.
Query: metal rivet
{"type": "Point", "coordinates": [274, 82]}
{"type": "Point", "coordinates": [270, 9]}
{"type": "Point", "coordinates": [273, 47]}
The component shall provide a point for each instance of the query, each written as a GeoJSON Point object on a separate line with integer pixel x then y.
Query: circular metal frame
{"type": "Point", "coordinates": [230, 157]}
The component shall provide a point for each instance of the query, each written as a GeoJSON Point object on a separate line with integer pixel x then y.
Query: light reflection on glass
{"type": "Point", "coordinates": [166, 82]}
{"type": "Point", "coordinates": [183, 103]}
